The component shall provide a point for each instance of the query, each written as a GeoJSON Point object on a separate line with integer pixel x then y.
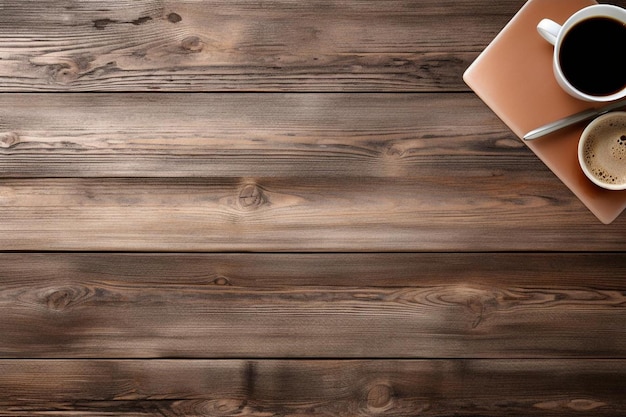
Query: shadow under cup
{"type": "Point", "coordinates": [602, 151]}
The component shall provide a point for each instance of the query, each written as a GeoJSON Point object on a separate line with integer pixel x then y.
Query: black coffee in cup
{"type": "Point", "coordinates": [593, 56]}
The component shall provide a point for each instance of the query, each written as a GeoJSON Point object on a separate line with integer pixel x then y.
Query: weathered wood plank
{"type": "Point", "coordinates": [277, 270]}
{"type": "Point", "coordinates": [326, 305]}
{"type": "Point", "coordinates": [313, 388]}
{"type": "Point", "coordinates": [252, 135]}
{"type": "Point", "coordinates": [412, 157]}
{"type": "Point", "coordinates": [455, 213]}
{"type": "Point", "coordinates": [213, 45]}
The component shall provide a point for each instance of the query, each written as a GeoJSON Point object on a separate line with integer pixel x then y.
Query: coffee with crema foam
{"type": "Point", "coordinates": [604, 152]}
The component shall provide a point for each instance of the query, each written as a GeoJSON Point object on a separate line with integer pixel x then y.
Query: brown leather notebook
{"type": "Point", "coordinates": [513, 76]}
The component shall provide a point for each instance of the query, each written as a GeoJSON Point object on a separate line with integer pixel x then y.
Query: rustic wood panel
{"type": "Point", "coordinates": [313, 388]}
{"type": "Point", "coordinates": [390, 173]}
{"type": "Point", "coordinates": [166, 45]}
{"type": "Point", "coordinates": [320, 214]}
{"type": "Point", "coordinates": [251, 135]}
{"type": "Point", "coordinates": [326, 305]}
{"type": "Point", "coordinates": [494, 333]}
{"type": "Point", "coordinates": [603, 271]}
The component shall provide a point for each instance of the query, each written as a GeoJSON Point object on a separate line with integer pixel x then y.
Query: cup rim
{"type": "Point", "coordinates": [565, 27]}
{"type": "Point", "coordinates": [581, 145]}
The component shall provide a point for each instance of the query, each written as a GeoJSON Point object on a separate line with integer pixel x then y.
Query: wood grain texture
{"type": "Point", "coordinates": [256, 135]}
{"type": "Point", "coordinates": [415, 177]}
{"type": "Point", "coordinates": [217, 45]}
{"type": "Point", "coordinates": [320, 214]}
{"type": "Point", "coordinates": [603, 271]}
{"type": "Point", "coordinates": [461, 324]}
{"type": "Point", "coordinates": [326, 305]}
{"type": "Point", "coordinates": [313, 388]}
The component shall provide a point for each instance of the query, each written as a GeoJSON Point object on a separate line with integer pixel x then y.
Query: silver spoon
{"type": "Point", "coordinates": [573, 119]}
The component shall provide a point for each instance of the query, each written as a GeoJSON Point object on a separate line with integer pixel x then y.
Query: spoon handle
{"type": "Point", "coordinates": [572, 119]}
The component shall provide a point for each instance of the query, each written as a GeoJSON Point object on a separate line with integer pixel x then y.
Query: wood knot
{"type": "Point", "coordinates": [192, 44]}
{"type": "Point", "coordinates": [223, 407]}
{"type": "Point", "coordinates": [62, 298]}
{"type": "Point", "coordinates": [576, 405]}
{"type": "Point", "coordinates": [220, 280]}
{"type": "Point", "coordinates": [100, 24]}
{"type": "Point", "coordinates": [64, 73]}
{"type": "Point", "coordinates": [141, 20]}
{"type": "Point", "coordinates": [251, 197]}
{"type": "Point", "coordinates": [9, 139]}
{"type": "Point", "coordinates": [174, 18]}
{"type": "Point", "coordinates": [584, 405]}
{"type": "Point", "coordinates": [379, 397]}
{"type": "Point", "coordinates": [83, 62]}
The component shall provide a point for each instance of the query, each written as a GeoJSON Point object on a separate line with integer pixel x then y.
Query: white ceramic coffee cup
{"type": "Point", "coordinates": [609, 131]}
{"type": "Point", "coordinates": [555, 33]}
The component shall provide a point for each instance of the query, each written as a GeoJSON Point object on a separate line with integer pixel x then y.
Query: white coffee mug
{"type": "Point", "coordinates": [555, 33]}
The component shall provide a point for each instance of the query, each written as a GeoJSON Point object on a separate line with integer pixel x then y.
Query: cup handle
{"type": "Point", "coordinates": [549, 30]}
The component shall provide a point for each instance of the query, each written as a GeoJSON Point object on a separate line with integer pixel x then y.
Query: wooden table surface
{"type": "Point", "coordinates": [287, 208]}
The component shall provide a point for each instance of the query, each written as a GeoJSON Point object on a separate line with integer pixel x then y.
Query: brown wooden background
{"type": "Point", "coordinates": [287, 208]}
